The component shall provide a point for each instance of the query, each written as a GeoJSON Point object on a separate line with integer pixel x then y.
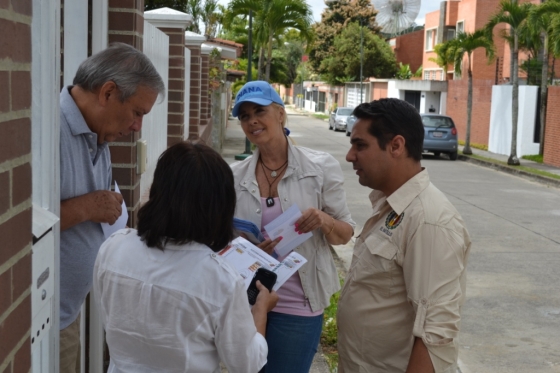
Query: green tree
{"type": "Point", "coordinates": [211, 17]}
{"type": "Point", "coordinates": [344, 62]}
{"type": "Point", "coordinates": [334, 20]}
{"type": "Point", "coordinates": [403, 73]}
{"type": "Point", "coordinates": [293, 52]}
{"type": "Point", "coordinates": [514, 15]}
{"type": "Point", "coordinates": [540, 21]}
{"type": "Point", "coordinates": [271, 19]}
{"type": "Point", "coordinates": [554, 37]}
{"type": "Point", "coordinates": [465, 44]}
{"type": "Point", "coordinates": [444, 56]}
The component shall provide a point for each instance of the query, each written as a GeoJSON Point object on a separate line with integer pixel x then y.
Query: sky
{"type": "Point", "coordinates": [317, 6]}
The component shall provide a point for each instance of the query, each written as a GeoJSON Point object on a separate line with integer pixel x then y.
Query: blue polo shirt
{"type": "Point", "coordinates": [85, 167]}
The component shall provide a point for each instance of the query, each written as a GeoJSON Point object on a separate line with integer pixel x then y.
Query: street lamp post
{"type": "Point", "coordinates": [248, 151]}
{"type": "Point", "coordinates": [361, 59]}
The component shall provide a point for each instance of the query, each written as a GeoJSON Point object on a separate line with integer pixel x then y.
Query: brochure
{"type": "Point", "coordinates": [247, 258]}
{"type": "Point", "coordinates": [108, 230]}
{"type": "Point", "coordinates": [284, 226]}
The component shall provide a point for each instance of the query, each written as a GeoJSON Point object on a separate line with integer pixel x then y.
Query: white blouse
{"type": "Point", "coordinates": [180, 310]}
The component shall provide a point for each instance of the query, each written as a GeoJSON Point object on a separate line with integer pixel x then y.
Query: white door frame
{"type": "Point", "coordinates": [45, 129]}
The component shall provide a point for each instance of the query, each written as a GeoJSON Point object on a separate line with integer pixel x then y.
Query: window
{"type": "Point", "coordinates": [450, 34]}
{"type": "Point", "coordinates": [460, 26]}
{"type": "Point", "coordinates": [431, 36]}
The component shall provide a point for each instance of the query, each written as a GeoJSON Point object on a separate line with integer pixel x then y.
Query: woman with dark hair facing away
{"type": "Point", "coordinates": [168, 302]}
{"type": "Point", "coordinates": [277, 176]}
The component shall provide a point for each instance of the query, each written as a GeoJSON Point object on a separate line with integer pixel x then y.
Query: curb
{"type": "Point", "coordinates": [548, 181]}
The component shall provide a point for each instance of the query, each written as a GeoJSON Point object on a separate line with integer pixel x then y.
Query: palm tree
{"type": "Point", "coordinates": [467, 43]}
{"type": "Point", "coordinates": [271, 19]}
{"type": "Point", "coordinates": [514, 15]}
{"type": "Point", "coordinates": [210, 17]}
{"type": "Point", "coordinates": [540, 22]}
{"type": "Point", "coordinates": [555, 36]}
{"type": "Point", "coordinates": [285, 14]}
{"type": "Point", "coordinates": [443, 56]}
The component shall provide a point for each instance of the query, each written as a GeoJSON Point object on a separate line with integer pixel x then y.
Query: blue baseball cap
{"type": "Point", "coordinates": [258, 92]}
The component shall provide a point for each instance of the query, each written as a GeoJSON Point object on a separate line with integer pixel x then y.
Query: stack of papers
{"type": "Point", "coordinates": [246, 258]}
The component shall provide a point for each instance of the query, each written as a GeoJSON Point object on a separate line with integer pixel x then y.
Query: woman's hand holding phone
{"type": "Point", "coordinates": [266, 301]}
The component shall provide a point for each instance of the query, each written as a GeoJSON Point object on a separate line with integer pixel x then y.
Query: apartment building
{"type": "Point", "coordinates": [456, 16]}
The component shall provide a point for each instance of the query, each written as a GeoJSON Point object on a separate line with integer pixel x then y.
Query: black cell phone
{"type": "Point", "coordinates": [266, 277]}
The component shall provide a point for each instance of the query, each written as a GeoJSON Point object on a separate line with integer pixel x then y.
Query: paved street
{"type": "Point", "coordinates": [512, 315]}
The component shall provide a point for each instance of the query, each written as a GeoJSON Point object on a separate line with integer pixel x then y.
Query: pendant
{"type": "Point", "coordinates": [269, 202]}
{"type": "Point", "coordinates": [273, 174]}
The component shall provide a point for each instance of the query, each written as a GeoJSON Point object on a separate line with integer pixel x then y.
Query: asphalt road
{"type": "Point", "coordinates": [511, 321]}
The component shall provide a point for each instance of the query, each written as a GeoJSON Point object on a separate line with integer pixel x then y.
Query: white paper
{"type": "Point", "coordinates": [246, 258]}
{"type": "Point", "coordinates": [284, 226]}
{"type": "Point", "coordinates": [121, 221]}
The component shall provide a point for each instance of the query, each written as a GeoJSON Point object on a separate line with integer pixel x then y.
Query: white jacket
{"type": "Point", "coordinates": [312, 179]}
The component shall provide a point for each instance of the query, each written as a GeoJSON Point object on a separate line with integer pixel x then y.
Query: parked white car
{"type": "Point", "coordinates": [350, 124]}
{"type": "Point", "coordinates": [337, 120]}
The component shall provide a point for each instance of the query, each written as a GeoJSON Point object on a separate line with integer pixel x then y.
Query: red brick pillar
{"type": "Point", "coordinates": [126, 25]}
{"type": "Point", "coordinates": [193, 42]}
{"type": "Point", "coordinates": [552, 130]}
{"type": "Point", "coordinates": [204, 86]}
{"type": "Point", "coordinates": [173, 23]}
{"type": "Point", "coordinates": [126, 22]}
{"type": "Point", "coordinates": [15, 185]}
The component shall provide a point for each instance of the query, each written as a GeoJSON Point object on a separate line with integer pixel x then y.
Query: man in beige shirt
{"type": "Point", "coordinates": [400, 307]}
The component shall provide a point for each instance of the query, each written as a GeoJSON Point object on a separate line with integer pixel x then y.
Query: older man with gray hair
{"type": "Point", "coordinates": [111, 93]}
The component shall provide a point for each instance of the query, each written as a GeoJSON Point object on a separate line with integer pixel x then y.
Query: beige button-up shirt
{"type": "Point", "coordinates": [407, 279]}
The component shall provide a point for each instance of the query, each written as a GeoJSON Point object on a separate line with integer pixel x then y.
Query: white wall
{"type": "Point", "coordinates": [75, 37]}
{"type": "Point", "coordinates": [393, 91]}
{"type": "Point", "coordinates": [154, 129]}
{"type": "Point", "coordinates": [429, 99]}
{"type": "Point", "coordinates": [500, 120]}
{"type": "Point", "coordinates": [443, 103]}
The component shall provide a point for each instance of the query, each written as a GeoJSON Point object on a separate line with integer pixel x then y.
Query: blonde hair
{"type": "Point", "coordinates": [285, 120]}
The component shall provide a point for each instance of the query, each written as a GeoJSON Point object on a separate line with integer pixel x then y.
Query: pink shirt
{"type": "Point", "coordinates": [291, 296]}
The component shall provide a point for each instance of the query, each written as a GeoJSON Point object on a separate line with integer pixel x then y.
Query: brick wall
{"type": "Point", "coordinates": [452, 12]}
{"type": "Point", "coordinates": [204, 91]}
{"type": "Point", "coordinates": [195, 93]}
{"type": "Point", "coordinates": [126, 25]}
{"type": "Point", "coordinates": [409, 49]}
{"type": "Point", "coordinates": [15, 185]}
{"type": "Point", "coordinates": [552, 135]}
{"type": "Point", "coordinates": [457, 91]}
{"type": "Point", "coordinates": [126, 22]}
{"type": "Point", "coordinates": [176, 84]}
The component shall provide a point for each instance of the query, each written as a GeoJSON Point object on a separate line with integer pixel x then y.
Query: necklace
{"type": "Point", "coordinates": [269, 199]}
{"type": "Point", "coordinates": [273, 173]}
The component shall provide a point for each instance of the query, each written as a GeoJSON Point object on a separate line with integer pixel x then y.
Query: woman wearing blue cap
{"type": "Point", "coordinates": [277, 176]}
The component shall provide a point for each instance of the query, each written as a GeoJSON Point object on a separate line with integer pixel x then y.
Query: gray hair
{"type": "Point", "coordinates": [122, 64]}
